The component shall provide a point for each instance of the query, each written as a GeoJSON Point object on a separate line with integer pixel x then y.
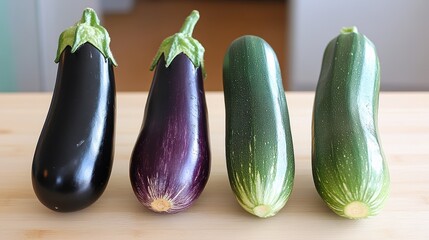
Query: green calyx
{"type": "Point", "coordinates": [182, 42]}
{"type": "Point", "coordinates": [88, 29]}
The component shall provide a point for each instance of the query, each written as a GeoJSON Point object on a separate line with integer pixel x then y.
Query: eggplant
{"type": "Point", "coordinates": [74, 154]}
{"type": "Point", "coordinates": [170, 162]}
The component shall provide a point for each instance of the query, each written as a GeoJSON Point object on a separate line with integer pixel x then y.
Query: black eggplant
{"type": "Point", "coordinates": [74, 155]}
{"type": "Point", "coordinates": [170, 163]}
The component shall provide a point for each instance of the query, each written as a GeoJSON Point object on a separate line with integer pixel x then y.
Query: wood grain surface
{"type": "Point", "coordinates": [404, 130]}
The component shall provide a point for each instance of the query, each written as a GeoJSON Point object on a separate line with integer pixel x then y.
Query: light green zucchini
{"type": "Point", "coordinates": [349, 168]}
{"type": "Point", "coordinates": [259, 151]}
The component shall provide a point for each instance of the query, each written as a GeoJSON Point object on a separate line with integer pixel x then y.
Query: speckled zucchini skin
{"type": "Point", "coordinates": [349, 168]}
{"type": "Point", "coordinates": [259, 151]}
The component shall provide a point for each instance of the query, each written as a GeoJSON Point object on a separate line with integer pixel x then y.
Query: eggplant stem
{"type": "Point", "coordinates": [88, 29]}
{"type": "Point", "coordinates": [182, 42]}
{"type": "Point", "coordinates": [190, 22]}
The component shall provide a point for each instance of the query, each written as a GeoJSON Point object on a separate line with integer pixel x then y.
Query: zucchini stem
{"type": "Point", "coordinates": [189, 24]}
{"type": "Point", "coordinates": [347, 30]}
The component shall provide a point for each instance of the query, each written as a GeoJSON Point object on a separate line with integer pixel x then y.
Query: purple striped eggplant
{"type": "Point", "coordinates": [170, 162]}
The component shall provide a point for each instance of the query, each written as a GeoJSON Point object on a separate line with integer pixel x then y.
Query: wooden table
{"type": "Point", "coordinates": [404, 129]}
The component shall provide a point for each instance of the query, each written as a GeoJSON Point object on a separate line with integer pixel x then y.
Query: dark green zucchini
{"type": "Point", "coordinates": [349, 168]}
{"type": "Point", "coordinates": [259, 151]}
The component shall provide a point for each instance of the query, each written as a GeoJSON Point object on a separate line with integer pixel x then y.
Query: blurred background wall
{"type": "Point", "coordinates": [399, 30]}
{"type": "Point", "coordinates": [136, 35]}
{"type": "Point", "coordinates": [19, 46]}
{"type": "Point", "coordinates": [298, 30]}
{"type": "Point", "coordinates": [29, 31]}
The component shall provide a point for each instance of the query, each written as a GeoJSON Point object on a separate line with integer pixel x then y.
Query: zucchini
{"type": "Point", "coordinates": [259, 151]}
{"type": "Point", "coordinates": [349, 167]}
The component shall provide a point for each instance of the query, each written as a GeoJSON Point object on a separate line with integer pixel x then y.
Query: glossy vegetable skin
{"type": "Point", "coordinates": [170, 163]}
{"type": "Point", "coordinates": [259, 149]}
{"type": "Point", "coordinates": [349, 168]}
{"type": "Point", "coordinates": [74, 154]}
